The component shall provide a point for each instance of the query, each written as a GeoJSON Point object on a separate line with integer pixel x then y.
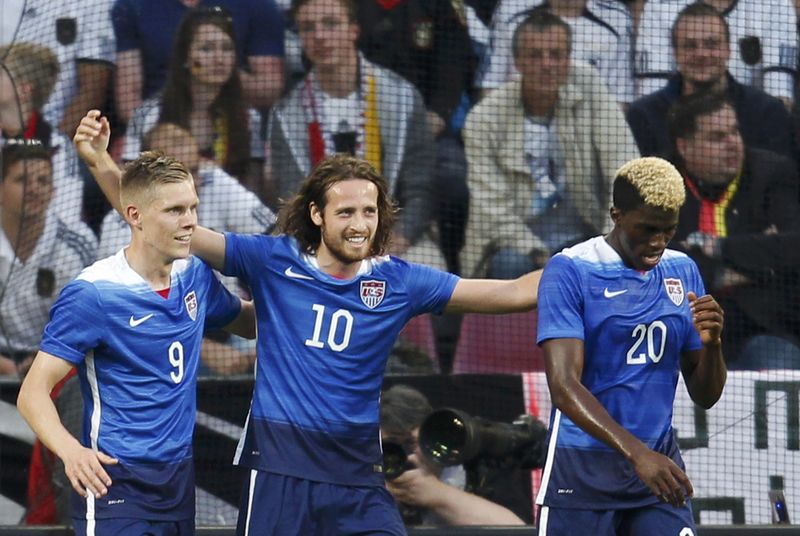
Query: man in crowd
{"type": "Point", "coordinates": [741, 224]}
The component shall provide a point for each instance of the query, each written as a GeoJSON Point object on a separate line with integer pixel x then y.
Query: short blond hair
{"type": "Point", "coordinates": [34, 64]}
{"type": "Point", "coordinates": [656, 182]}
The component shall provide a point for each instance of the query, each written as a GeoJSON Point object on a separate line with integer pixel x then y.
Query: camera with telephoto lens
{"type": "Point", "coordinates": [395, 460]}
{"type": "Point", "coordinates": [452, 437]}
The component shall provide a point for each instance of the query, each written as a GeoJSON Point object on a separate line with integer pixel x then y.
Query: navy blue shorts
{"type": "Point", "coordinates": [133, 527]}
{"type": "Point", "coordinates": [279, 505]}
{"type": "Point", "coordinates": [655, 520]}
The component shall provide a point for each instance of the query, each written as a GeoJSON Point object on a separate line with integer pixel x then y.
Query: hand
{"type": "Point", "coordinates": [663, 477]}
{"type": "Point", "coordinates": [92, 137]}
{"type": "Point", "coordinates": [84, 470]}
{"type": "Point", "coordinates": [708, 317]}
{"type": "Point", "coordinates": [416, 487]}
{"type": "Point", "coordinates": [436, 122]}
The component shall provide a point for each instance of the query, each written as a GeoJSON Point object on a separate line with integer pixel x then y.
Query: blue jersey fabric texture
{"type": "Point", "coordinates": [322, 349]}
{"type": "Point", "coordinates": [634, 326]}
{"type": "Point", "coordinates": [137, 355]}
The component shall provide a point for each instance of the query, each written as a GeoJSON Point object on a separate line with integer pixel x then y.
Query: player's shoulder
{"type": "Point", "coordinates": [675, 259]}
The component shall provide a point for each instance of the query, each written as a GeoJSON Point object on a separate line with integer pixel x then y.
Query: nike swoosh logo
{"type": "Point", "coordinates": [609, 294]}
{"type": "Point", "coordinates": [136, 321]}
{"type": "Point", "coordinates": [289, 273]}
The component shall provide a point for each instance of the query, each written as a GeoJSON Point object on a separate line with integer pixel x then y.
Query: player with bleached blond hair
{"type": "Point", "coordinates": [619, 318]}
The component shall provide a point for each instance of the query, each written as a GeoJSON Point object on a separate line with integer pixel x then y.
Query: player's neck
{"type": "Point", "coordinates": [339, 81]}
{"type": "Point", "coordinates": [570, 9]}
{"type": "Point", "coordinates": [335, 267]}
{"type": "Point", "coordinates": [153, 268]}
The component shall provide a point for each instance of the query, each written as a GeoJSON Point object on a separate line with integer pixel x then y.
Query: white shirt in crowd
{"type": "Point", "coordinates": [75, 30]}
{"type": "Point", "coordinates": [28, 289]}
{"type": "Point", "coordinates": [602, 37]}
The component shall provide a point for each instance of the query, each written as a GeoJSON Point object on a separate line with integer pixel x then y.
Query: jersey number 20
{"type": "Point", "coordinates": [647, 337]}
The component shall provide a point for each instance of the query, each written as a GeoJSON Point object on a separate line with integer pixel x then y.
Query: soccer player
{"type": "Point", "coordinates": [329, 306]}
{"type": "Point", "coordinates": [132, 325]}
{"type": "Point", "coordinates": [619, 317]}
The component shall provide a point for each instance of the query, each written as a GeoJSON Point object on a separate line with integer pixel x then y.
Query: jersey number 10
{"type": "Point", "coordinates": [340, 316]}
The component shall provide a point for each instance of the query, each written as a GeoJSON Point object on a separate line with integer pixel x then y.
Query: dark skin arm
{"type": "Point", "coordinates": [704, 373]}
{"type": "Point", "coordinates": [564, 360]}
{"type": "Point", "coordinates": [704, 370]}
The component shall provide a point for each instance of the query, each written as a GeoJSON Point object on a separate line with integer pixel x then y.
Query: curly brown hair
{"type": "Point", "coordinates": [294, 217]}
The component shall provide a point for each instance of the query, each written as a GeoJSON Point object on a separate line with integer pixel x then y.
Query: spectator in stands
{"type": "Point", "coordinates": [741, 224]}
{"type": "Point", "coordinates": [28, 73]}
{"type": "Point", "coordinates": [430, 495]}
{"type": "Point", "coordinates": [428, 43]}
{"type": "Point", "coordinates": [542, 153]}
{"type": "Point", "coordinates": [203, 94]}
{"type": "Point", "coordinates": [347, 104]}
{"type": "Point", "coordinates": [763, 35]}
{"type": "Point", "coordinates": [225, 205]}
{"type": "Point", "coordinates": [601, 36]}
{"type": "Point", "coordinates": [701, 42]}
{"type": "Point", "coordinates": [145, 31]}
{"type": "Point", "coordinates": [39, 251]}
{"type": "Point", "coordinates": [80, 35]}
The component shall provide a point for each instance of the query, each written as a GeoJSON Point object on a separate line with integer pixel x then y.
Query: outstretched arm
{"type": "Point", "coordinates": [91, 141]}
{"type": "Point", "coordinates": [83, 466]}
{"type": "Point", "coordinates": [495, 296]}
{"type": "Point", "coordinates": [564, 366]}
{"type": "Point", "coordinates": [704, 370]}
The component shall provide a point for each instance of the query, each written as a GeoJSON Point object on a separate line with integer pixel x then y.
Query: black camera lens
{"type": "Point", "coordinates": [395, 460]}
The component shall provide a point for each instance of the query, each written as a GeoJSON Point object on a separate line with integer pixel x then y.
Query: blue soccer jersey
{"type": "Point", "coordinates": [634, 326]}
{"type": "Point", "coordinates": [137, 355]}
{"type": "Point", "coordinates": [322, 348]}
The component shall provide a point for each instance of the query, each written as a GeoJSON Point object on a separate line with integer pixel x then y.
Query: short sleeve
{"type": "Point", "coordinates": [223, 307]}
{"type": "Point", "coordinates": [429, 289]}
{"type": "Point", "coordinates": [561, 302]}
{"type": "Point", "coordinates": [68, 335]}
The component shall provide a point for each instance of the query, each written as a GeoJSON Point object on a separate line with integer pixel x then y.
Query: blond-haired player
{"type": "Point", "coordinates": [619, 318]}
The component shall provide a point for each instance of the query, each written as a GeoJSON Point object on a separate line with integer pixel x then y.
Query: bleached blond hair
{"type": "Point", "coordinates": [657, 182]}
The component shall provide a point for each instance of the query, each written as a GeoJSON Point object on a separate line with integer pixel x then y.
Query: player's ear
{"type": "Point", "coordinates": [616, 214]}
{"type": "Point", "coordinates": [315, 213]}
{"type": "Point", "coordinates": [133, 216]}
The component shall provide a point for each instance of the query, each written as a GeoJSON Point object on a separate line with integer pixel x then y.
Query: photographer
{"type": "Point", "coordinates": [427, 494]}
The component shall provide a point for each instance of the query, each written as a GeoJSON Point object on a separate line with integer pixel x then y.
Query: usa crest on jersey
{"type": "Point", "coordinates": [190, 300]}
{"type": "Point", "coordinates": [674, 290]}
{"type": "Point", "coordinates": [372, 292]}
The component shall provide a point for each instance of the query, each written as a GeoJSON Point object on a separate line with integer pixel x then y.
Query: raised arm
{"type": "Point", "coordinates": [704, 370]}
{"type": "Point", "coordinates": [496, 296]}
{"type": "Point", "coordinates": [83, 466]}
{"type": "Point", "coordinates": [564, 360]}
{"type": "Point", "coordinates": [91, 142]}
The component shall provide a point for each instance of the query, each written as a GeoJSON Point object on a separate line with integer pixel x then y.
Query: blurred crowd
{"type": "Point", "coordinates": [499, 125]}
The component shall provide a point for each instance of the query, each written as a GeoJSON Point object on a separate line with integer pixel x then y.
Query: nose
{"type": "Point", "coordinates": [659, 241]}
{"type": "Point", "coordinates": [189, 219]}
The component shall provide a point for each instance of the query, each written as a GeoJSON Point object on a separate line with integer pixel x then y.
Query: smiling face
{"type": "Point", "coordinates": [212, 55]}
{"type": "Point", "coordinates": [701, 50]}
{"type": "Point", "coordinates": [347, 222]}
{"type": "Point", "coordinates": [641, 235]}
{"type": "Point", "coordinates": [327, 34]}
{"type": "Point", "coordinates": [26, 189]}
{"type": "Point", "coordinates": [163, 219]}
